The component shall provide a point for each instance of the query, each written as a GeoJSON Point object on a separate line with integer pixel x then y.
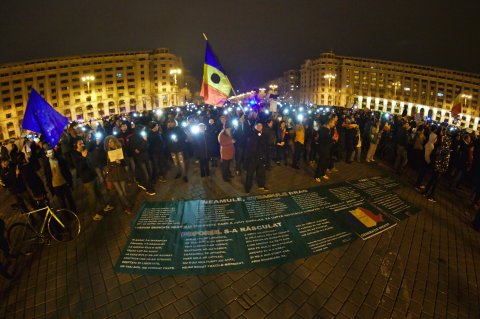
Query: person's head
{"type": "Point", "coordinates": [202, 128]}
{"type": "Point", "coordinates": [270, 123]}
{"type": "Point", "coordinates": [153, 126]}
{"type": "Point", "coordinates": [282, 124]}
{"type": "Point", "coordinates": [113, 143]}
{"type": "Point", "coordinates": [80, 146]}
{"type": "Point", "coordinates": [171, 123]}
{"type": "Point", "coordinates": [50, 153]}
{"type": "Point", "coordinates": [259, 126]}
{"type": "Point", "coordinates": [123, 127]}
{"type": "Point", "coordinates": [223, 119]}
{"type": "Point", "coordinates": [5, 163]}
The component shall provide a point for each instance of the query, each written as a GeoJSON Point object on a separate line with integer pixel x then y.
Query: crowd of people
{"type": "Point", "coordinates": [140, 148]}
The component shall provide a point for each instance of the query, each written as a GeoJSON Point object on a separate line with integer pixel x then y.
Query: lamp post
{"type": "Point", "coordinates": [88, 78]}
{"type": "Point", "coordinates": [330, 77]}
{"type": "Point", "coordinates": [174, 72]}
{"type": "Point", "coordinates": [465, 98]}
{"type": "Point", "coordinates": [396, 85]}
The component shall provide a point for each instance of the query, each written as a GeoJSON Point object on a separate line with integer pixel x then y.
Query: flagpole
{"type": "Point", "coordinates": [231, 86]}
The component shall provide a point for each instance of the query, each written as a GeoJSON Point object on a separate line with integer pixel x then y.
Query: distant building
{"type": "Point", "coordinates": [287, 87]}
{"type": "Point", "coordinates": [389, 86]}
{"type": "Point", "coordinates": [92, 86]}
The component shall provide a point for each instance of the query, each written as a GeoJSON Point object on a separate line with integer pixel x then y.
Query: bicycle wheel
{"type": "Point", "coordinates": [68, 229]}
{"type": "Point", "coordinates": [22, 238]}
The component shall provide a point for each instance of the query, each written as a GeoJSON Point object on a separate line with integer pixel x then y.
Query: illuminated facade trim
{"type": "Point", "coordinates": [348, 81]}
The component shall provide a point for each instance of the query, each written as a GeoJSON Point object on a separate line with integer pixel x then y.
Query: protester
{"type": "Point", "coordinates": [256, 158]}
{"type": "Point", "coordinates": [227, 151]}
{"type": "Point", "coordinates": [87, 174]}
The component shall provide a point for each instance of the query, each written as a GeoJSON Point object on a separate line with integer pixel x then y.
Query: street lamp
{"type": "Point", "coordinates": [330, 77]}
{"type": "Point", "coordinates": [273, 87]}
{"type": "Point", "coordinates": [465, 98]}
{"type": "Point", "coordinates": [174, 72]}
{"type": "Point", "coordinates": [396, 85]}
{"type": "Point", "coordinates": [88, 78]}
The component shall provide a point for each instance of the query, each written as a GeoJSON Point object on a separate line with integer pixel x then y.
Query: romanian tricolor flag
{"type": "Point", "coordinates": [456, 106]}
{"type": "Point", "coordinates": [215, 85]}
{"type": "Point", "coordinates": [366, 217]}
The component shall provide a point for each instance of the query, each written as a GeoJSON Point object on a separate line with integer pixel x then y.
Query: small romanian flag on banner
{"type": "Point", "coordinates": [456, 106]}
{"type": "Point", "coordinates": [215, 85]}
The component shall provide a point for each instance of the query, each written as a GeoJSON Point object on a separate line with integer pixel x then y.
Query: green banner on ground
{"type": "Point", "coordinates": [206, 236]}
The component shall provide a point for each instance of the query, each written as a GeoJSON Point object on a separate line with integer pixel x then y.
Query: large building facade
{"type": "Point", "coordinates": [390, 87]}
{"type": "Point", "coordinates": [91, 86]}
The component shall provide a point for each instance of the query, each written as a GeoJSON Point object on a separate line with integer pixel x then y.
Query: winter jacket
{"type": "Point", "coordinates": [85, 169]}
{"type": "Point", "coordinates": [176, 139]}
{"type": "Point", "coordinates": [227, 148]}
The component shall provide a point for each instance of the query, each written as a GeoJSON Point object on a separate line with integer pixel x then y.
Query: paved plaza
{"type": "Point", "coordinates": [428, 266]}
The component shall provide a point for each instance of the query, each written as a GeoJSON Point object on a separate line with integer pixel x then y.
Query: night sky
{"type": "Point", "coordinates": [255, 40]}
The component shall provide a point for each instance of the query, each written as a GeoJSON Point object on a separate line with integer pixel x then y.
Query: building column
{"type": "Point", "coordinates": [369, 100]}
{"type": "Point", "coordinates": [377, 102]}
{"type": "Point", "coordinates": [360, 101]}
{"type": "Point", "coordinates": [475, 124]}
{"type": "Point", "coordinates": [385, 104]}
{"type": "Point", "coordinates": [394, 104]}
{"type": "Point", "coordinates": [409, 108]}
{"type": "Point", "coordinates": [402, 107]}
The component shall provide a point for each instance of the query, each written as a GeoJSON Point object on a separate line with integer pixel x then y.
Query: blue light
{"type": "Point", "coordinates": [252, 102]}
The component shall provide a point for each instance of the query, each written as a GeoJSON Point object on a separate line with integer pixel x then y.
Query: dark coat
{"type": "Point", "coordinates": [202, 145]}
{"type": "Point", "coordinates": [139, 148]}
{"type": "Point", "coordinates": [177, 144]}
{"type": "Point", "coordinates": [84, 167]}
{"type": "Point", "coordinates": [256, 146]}
{"type": "Point", "coordinates": [240, 134]}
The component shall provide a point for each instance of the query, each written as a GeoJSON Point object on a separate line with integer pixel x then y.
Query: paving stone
{"type": "Point", "coordinates": [409, 271]}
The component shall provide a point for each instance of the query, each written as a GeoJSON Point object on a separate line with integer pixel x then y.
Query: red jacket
{"type": "Point", "coordinates": [227, 148]}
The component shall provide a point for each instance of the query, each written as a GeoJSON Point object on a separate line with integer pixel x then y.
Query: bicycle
{"type": "Point", "coordinates": [62, 225]}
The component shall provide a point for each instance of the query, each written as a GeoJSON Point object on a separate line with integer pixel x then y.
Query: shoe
{"type": "Point", "coordinates": [334, 170]}
{"type": "Point", "coordinates": [318, 180]}
{"type": "Point", "coordinates": [97, 217]}
{"type": "Point", "coordinates": [328, 170]}
{"type": "Point", "coordinates": [367, 161]}
{"type": "Point", "coordinates": [178, 176]}
{"type": "Point", "coordinates": [422, 187]}
{"type": "Point", "coordinates": [150, 193]}
{"type": "Point", "coordinates": [185, 179]}
{"type": "Point", "coordinates": [142, 187]}
{"type": "Point", "coordinates": [265, 189]}
{"type": "Point", "coordinates": [372, 160]}
{"type": "Point", "coordinates": [431, 199]}
{"type": "Point", "coordinates": [278, 163]}
{"type": "Point", "coordinates": [237, 173]}
{"type": "Point", "coordinates": [108, 208]}
{"type": "Point", "coordinates": [128, 211]}
{"type": "Point", "coordinates": [162, 180]}
{"type": "Point", "coordinates": [325, 177]}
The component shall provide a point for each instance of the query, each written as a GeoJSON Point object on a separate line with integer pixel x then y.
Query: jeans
{"type": "Point", "coordinates": [371, 152]}
{"type": "Point", "coordinates": [64, 196]}
{"type": "Point", "coordinates": [297, 154]}
{"type": "Point", "coordinates": [121, 189]}
{"type": "Point", "coordinates": [204, 167]}
{"type": "Point", "coordinates": [226, 174]}
{"type": "Point", "coordinates": [93, 195]}
{"type": "Point", "coordinates": [255, 166]}
{"type": "Point", "coordinates": [179, 162]}
{"type": "Point", "coordinates": [401, 158]}
{"type": "Point", "coordinates": [145, 173]}
{"type": "Point", "coordinates": [239, 158]}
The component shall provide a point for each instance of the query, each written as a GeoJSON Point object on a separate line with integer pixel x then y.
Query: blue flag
{"type": "Point", "coordinates": [41, 117]}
